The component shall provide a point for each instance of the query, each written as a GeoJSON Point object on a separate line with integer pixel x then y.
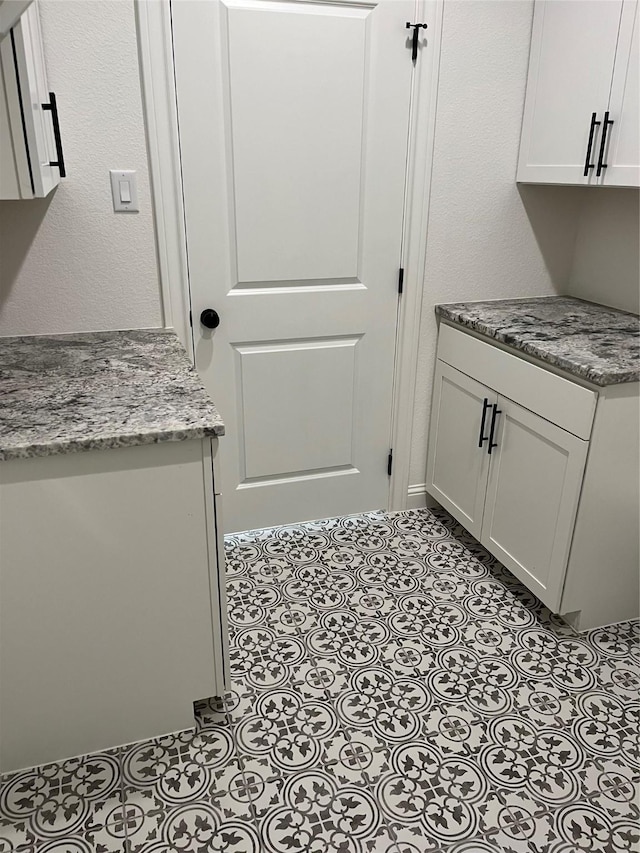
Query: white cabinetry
{"type": "Point", "coordinates": [112, 607]}
{"type": "Point", "coordinates": [508, 449]}
{"type": "Point", "coordinates": [10, 11]}
{"type": "Point", "coordinates": [532, 495]}
{"type": "Point", "coordinates": [31, 155]}
{"type": "Point", "coordinates": [457, 471]}
{"type": "Point", "coordinates": [581, 115]}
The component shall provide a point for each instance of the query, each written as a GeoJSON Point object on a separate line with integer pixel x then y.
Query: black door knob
{"type": "Point", "coordinates": [210, 318]}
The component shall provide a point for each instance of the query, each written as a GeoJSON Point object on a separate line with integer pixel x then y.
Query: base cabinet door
{"type": "Point", "coordinates": [533, 489]}
{"type": "Point", "coordinates": [458, 462]}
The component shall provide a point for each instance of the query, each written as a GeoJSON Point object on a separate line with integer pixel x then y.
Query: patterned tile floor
{"type": "Point", "coordinates": [394, 690]}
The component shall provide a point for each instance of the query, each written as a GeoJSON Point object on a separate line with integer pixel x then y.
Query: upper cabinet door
{"type": "Point", "coordinates": [622, 154]}
{"type": "Point", "coordinates": [573, 49]}
{"type": "Point", "coordinates": [534, 485]}
{"type": "Point", "coordinates": [34, 93]}
{"type": "Point", "coordinates": [32, 160]}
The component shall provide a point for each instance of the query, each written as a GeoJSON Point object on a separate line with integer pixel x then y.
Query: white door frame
{"type": "Point", "coordinates": [153, 21]}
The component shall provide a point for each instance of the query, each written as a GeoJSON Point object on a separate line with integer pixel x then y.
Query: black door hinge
{"type": "Point", "coordinates": [390, 462]}
{"type": "Point", "coordinates": [400, 279]}
{"type": "Point", "coordinates": [191, 319]}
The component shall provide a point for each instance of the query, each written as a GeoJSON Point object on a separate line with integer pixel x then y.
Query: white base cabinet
{"type": "Point", "coordinates": [457, 472]}
{"type": "Point", "coordinates": [532, 495]}
{"type": "Point", "coordinates": [112, 608]}
{"type": "Point", "coordinates": [527, 476]}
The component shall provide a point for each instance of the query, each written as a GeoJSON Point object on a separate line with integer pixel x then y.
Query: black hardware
{"type": "Point", "coordinates": [482, 438]}
{"type": "Point", "coordinates": [605, 124]}
{"type": "Point", "coordinates": [390, 463]}
{"type": "Point", "coordinates": [53, 107]}
{"type": "Point", "coordinates": [496, 412]}
{"type": "Point", "coordinates": [191, 318]}
{"type": "Point", "coordinates": [210, 318]}
{"type": "Point", "coordinates": [400, 279]}
{"type": "Point", "coordinates": [416, 36]}
{"type": "Point", "coordinates": [587, 163]}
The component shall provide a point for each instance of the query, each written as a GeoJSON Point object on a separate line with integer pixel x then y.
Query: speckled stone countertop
{"type": "Point", "coordinates": [65, 393]}
{"type": "Point", "coordinates": [597, 343]}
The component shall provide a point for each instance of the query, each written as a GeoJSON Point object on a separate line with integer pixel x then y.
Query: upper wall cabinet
{"type": "Point", "coordinates": [581, 118]}
{"type": "Point", "coordinates": [10, 11]}
{"type": "Point", "coordinates": [31, 156]}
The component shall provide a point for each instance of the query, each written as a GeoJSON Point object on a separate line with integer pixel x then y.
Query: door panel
{"type": "Point", "coordinates": [293, 132]}
{"type": "Point", "coordinates": [287, 151]}
{"type": "Point", "coordinates": [535, 478]}
{"type": "Point", "coordinates": [283, 424]}
{"type": "Point", "coordinates": [457, 467]}
{"type": "Point", "coordinates": [570, 69]}
{"type": "Point", "coordinates": [623, 155]}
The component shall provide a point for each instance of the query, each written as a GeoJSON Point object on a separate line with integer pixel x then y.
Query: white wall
{"type": "Point", "coordinates": [68, 263]}
{"type": "Point", "coordinates": [487, 239]}
{"type": "Point", "coordinates": [606, 266]}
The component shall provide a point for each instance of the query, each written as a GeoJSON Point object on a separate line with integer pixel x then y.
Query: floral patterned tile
{"type": "Point", "coordinates": [78, 800]}
{"type": "Point", "coordinates": [318, 814]}
{"type": "Point", "coordinates": [393, 689]}
{"type": "Point", "coordinates": [204, 824]}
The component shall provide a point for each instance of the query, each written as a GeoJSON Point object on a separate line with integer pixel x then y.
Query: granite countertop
{"type": "Point", "coordinates": [594, 342]}
{"type": "Point", "coordinates": [98, 390]}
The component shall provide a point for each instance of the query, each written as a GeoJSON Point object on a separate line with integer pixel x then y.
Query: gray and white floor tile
{"type": "Point", "coordinates": [394, 690]}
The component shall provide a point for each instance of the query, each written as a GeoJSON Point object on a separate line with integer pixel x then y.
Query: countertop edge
{"type": "Point", "coordinates": [53, 448]}
{"type": "Point", "coordinates": [595, 377]}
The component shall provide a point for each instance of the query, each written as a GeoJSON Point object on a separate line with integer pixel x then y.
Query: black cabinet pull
{"type": "Point", "coordinates": [53, 107]}
{"type": "Point", "coordinates": [416, 36]}
{"type": "Point", "coordinates": [494, 415]}
{"type": "Point", "coordinates": [587, 163]}
{"type": "Point", "coordinates": [482, 437]}
{"type": "Point", "coordinates": [605, 124]}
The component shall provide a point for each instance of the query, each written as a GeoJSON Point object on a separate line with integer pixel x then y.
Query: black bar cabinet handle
{"type": "Point", "coordinates": [482, 438]}
{"type": "Point", "coordinates": [605, 124]}
{"type": "Point", "coordinates": [53, 107]}
{"type": "Point", "coordinates": [494, 415]}
{"type": "Point", "coordinates": [587, 163]}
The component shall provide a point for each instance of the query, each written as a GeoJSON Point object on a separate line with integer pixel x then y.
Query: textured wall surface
{"type": "Point", "coordinates": [606, 266]}
{"type": "Point", "coordinates": [487, 239]}
{"type": "Point", "coordinates": [68, 263]}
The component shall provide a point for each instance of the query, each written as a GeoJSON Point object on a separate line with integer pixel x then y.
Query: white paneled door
{"type": "Point", "coordinates": [293, 123]}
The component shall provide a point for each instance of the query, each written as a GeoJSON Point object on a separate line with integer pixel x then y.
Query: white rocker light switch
{"type": "Point", "coordinates": [124, 191]}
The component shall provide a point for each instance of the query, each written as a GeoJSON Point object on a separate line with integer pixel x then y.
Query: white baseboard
{"type": "Point", "coordinates": [418, 497]}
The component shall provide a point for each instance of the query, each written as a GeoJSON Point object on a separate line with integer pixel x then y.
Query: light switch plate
{"type": "Point", "coordinates": [124, 190]}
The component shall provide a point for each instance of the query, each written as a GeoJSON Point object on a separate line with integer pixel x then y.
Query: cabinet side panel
{"type": "Point", "coordinates": [105, 617]}
{"type": "Point", "coordinates": [604, 564]}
